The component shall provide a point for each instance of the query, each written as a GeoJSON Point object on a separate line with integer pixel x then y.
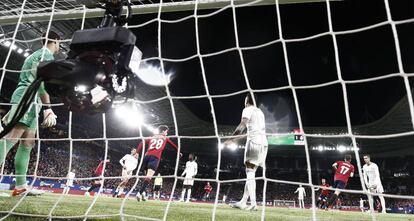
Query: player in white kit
{"type": "Point", "coordinates": [129, 162]}
{"type": "Point", "coordinates": [189, 172]}
{"type": "Point", "coordinates": [255, 149]}
{"type": "Point", "coordinates": [372, 180]}
{"type": "Point", "coordinates": [69, 182]}
{"type": "Point", "coordinates": [157, 187]}
{"type": "Point", "coordinates": [361, 204]}
{"type": "Point", "coordinates": [301, 195]}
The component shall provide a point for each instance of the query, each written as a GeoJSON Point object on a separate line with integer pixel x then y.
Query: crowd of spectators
{"type": "Point", "coordinates": [54, 158]}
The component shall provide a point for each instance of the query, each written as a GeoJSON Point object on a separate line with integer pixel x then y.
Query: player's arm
{"type": "Point", "coordinates": [297, 190]}
{"type": "Point", "coordinates": [49, 118]}
{"type": "Point", "coordinates": [335, 165]}
{"type": "Point", "coordinates": [195, 170]}
{"type": "Point", "coordinates": [173, 145]}
{"type": "Point", "coordinates": [364, 174]}
{"type": "Point", "coordinates": [352, 172]}
{"type": "Point", "coordinates": [139, 147]}
{"type": "Point", "coordinates": [377, 175]}
{"type": "Point", "coordinates": [122, 161]}
{"type": "Point", "coordinates": [239, 130]}
{"type": "Point", "coordinates": [241, 127]}
{"type": "Point", "coordinates": [304, 193]}
{"type": "Point", "coordinates": [185, 171]}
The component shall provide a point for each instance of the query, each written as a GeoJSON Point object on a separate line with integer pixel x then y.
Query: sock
{"type": "Point", "coordinates": [115, 192]}
{"type": "Point", "coordinates": [120, 191]}
{"type": "Point", "coordinates": [245, 194]}
{"type": "Point", "coordinates": [182, 194]}
{"type": "Point", "coordinates": [331, 200]}
{"type": "Point", "coordinates": [188, 194]}
{"type": "Point", "coordinates": [251, 185]}
{"type": "Point", "coordinates": [21, 163]}
{"type": "Point", "coordinates": [144, 186]}
{"type": "Point", "coordinates": [93, 187]}
{"type": "Point", "coordinates": [382, 199]}
{"type": "Point", "coordinates": [5, 146]}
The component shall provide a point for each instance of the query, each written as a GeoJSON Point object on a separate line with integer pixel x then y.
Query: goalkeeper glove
{"type": "Point", "coordinates": [49, 118]}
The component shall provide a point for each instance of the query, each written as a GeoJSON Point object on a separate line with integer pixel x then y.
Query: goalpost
{"type": "Point", "coordinates": [50, 11]}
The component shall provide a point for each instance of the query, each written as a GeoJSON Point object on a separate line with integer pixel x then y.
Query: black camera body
{"type": "Point", "coordinates": [97, 67]}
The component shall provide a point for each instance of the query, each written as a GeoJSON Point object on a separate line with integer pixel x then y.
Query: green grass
{"type": "Point", "coordinates": [78, 205]}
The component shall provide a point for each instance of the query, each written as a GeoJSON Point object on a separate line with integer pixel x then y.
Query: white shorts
{"type": "Point", "coordinates": [69, 183]}
{"type": "Point", "coordinates": [255, 153]}
{"type": "Point", "coordinates": [379, 189]}
{"type": "Point", "coordinates": [188, 181]}
{"type": "Point", "coordinates": [126, 174]}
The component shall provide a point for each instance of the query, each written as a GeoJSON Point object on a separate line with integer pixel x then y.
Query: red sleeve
{"type": "Point", "coordinates": [172, 144]}
{"type": "Point", "coordinates": [139, 148]}
{"type": "Point", "coordinates": [338, 164]}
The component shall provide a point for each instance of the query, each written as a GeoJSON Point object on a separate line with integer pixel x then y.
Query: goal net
{"type": "Point", "coordinates": [325, 91]}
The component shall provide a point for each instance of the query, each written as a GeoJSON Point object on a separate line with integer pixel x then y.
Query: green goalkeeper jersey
{"type": "Point", "coordinates": [29, 69]}
{"type": "Point", "coordinates": [27, 76]}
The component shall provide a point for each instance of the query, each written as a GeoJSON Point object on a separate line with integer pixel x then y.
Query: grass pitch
{"type": "Point", "coordinates": [74, 208]}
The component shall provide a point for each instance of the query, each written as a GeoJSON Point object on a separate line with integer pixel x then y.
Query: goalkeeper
{"type": "Point", "coordinates": [27, 125]}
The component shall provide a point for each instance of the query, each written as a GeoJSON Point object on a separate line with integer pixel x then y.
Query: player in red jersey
{"type": "Point", "coordinates": [343, 170]}
{"type": "Point", "coordinates": [97, 173]}
{"type": "Point", "coordinates": [155, 146]}
{"type": "Point", "coordinates": [320, 203]}
{"type": "Point", "coordinates": [207, 189]}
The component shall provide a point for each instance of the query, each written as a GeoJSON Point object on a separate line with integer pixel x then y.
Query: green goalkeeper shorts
{"type": "Point", "coordinates": [29, 119]}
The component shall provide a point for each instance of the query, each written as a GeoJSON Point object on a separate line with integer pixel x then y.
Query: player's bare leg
{"type": "Point", "coordinates": [382, 200]}
{"type": "Point", "coordinates": [120, 188]}
{"type": "Point", "coordinates": [182, 195]}
{"type": "Point", "coordinates": [95, 184]}
{"type": "Point", "coordinates": [141, 192]}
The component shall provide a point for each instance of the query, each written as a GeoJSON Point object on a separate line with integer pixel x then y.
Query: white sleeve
{"type": "Point", "coordinates": [365, 176]}
{"type": "Point", "coordinates": [377, 175]}
{"type": "Point", "coordinates": [122, 161]}
{"type": "Point", "coordinates": [195, 169]}
{"type": "Point", "coordinates": [185, 170]}
{"type": "Point", "coordinates": [247, 112]}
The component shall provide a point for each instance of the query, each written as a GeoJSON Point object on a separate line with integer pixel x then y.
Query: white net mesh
{"type": "Point", "coordinates": [24, 21]}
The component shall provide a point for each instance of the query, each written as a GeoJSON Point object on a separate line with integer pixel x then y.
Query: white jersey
{"type": "Point", "coordinates": [190, 169]}
{"type": "Point", "coordinates": [71, 176]}
{"type": "Point", "coordinates": [371, 174]}
{"type": "Point", "coordinates": [189, 172]}
{"type": "Point", "coordinates": [158, 181]}
{"type": "Point", "coordinates": [129, 161]}
{"type": "Point", "coordinates": [256, 126]}
{"type": "Point", "coordinates": [301, 192]}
